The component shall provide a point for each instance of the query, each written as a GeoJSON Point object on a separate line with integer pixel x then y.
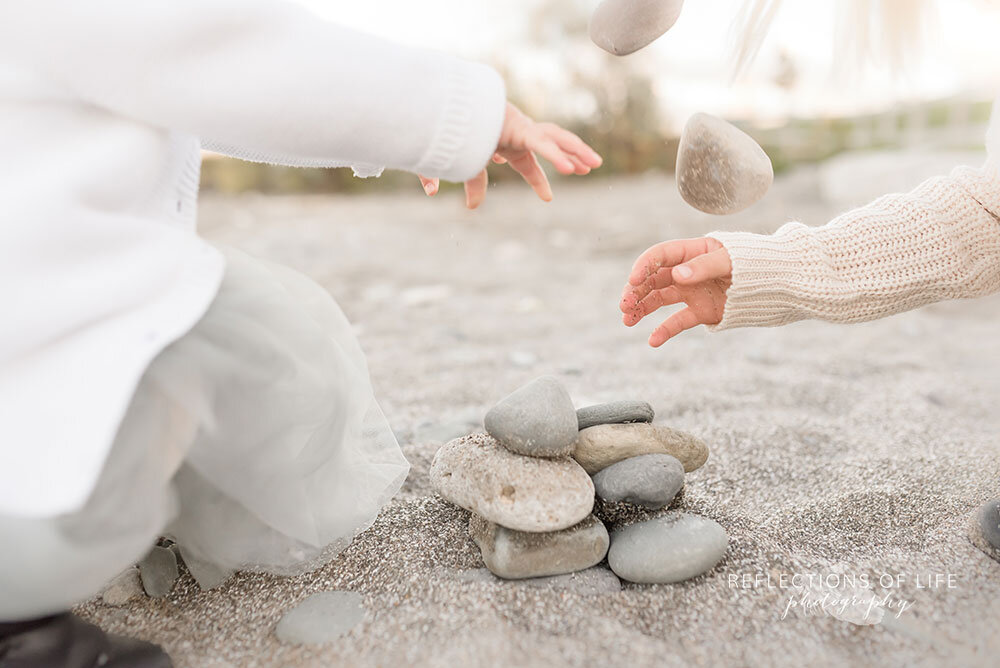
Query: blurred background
{"type": "Point", "coordinates": [810, 95]}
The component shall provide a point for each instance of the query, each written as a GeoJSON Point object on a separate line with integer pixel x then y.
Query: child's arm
{"type": "Point", "coordinates": [940, 241]}
{"type": "Point", "coordinates": [264, 80]}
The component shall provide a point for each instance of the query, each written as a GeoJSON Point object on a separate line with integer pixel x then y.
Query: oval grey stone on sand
{"type": "Point", "coordinates": [320, 618]}
{"type": "Point", "coordinates": [621, 27]}
{"type": "Point", "coordinates": [537, 420]}
{"type": "Point", "coordinates": [720, 168]}
{"type": "Point", "coordinates": [158, 571]}
{"type": "Point", "coordinates": [523, 493]}
{"type": "Point", "coordinates": [615, 412]}
{"type": "Point", "coordinates": [123, 588]}
{"type": "Point", "coordinates": [514, 554]}
{"type": "Point", "coordinates": [989, 522]}
{"type": "Point", "coordinates": [650, 481]}
{"type": "Point", "coordinates": [601, 446]}
{"type": "Point", "coordinates": [670, 548]}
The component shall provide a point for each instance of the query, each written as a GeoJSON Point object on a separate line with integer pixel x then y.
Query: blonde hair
{"type": "Point", "coordinates": [866, 28]}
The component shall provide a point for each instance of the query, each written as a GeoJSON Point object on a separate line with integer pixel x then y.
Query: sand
{"type": "Point", "coordinates": [860, 450]}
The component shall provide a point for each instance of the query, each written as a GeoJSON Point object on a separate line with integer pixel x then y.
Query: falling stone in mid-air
{"type": "Point", "coordinates": [720, 168]}
{"type": "Point", "coordinates": [621, 27]}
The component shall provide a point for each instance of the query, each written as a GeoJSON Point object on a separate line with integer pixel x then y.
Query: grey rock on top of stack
{"type": "Point", "coordinates": [615, 412]}
{"type": "Point", "coordinates": [650, 481]}
{"type": "Point", "coordinates": [523, 493]}
{"type": "Point", "coordinates": [720, 168]}
{"type": "Point", "coordinates": [518, 554]}
{"type": "Point", "coordinates": [537, 420]}
{"type": "Point", "coordinates": [621, 27]}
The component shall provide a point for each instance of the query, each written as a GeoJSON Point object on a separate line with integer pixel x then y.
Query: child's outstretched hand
{"type": "Point", "coordinates": [694, 271]}
{"type": "Point", "coordinates": [520, 140]}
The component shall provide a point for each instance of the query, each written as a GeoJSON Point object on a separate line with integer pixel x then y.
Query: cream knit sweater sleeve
{"type": "Point", "coordinates": [940, 241]}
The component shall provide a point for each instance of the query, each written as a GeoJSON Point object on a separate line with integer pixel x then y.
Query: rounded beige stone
{"type": "Point", "coordinates": [524, 493]}
{"type": "Point", "coordinates": [720, 168]}
{"type": "Point", "coordinates": [621, 27]}
{"type": "Point", "coordinates": [606, 444]}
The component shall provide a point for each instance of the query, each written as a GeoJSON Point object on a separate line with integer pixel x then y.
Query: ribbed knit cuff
{"type": "Point", "coordinates": [470, 125]}
{"type": "Point", "coordinates": [768, 279]}
{"type": "Point", "coordinates": [983, 185]}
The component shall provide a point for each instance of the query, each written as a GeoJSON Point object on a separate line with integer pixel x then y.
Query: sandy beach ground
{"type": "Point", "coordinates": [834, 449]}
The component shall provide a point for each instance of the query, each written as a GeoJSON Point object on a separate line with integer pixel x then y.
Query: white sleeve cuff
{"type": "Point", "coordinates": [469, 128]}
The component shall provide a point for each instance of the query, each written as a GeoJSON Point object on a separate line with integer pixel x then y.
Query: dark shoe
{"type": "Point", "coordinates": [984, 531]}
{"type": "Point", "coordinates": [66, 641]}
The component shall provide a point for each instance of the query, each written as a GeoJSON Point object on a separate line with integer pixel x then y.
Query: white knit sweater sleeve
{"type": "Point", "coordinates": [940, 241]}
{"type": "Point", "coordinates": [265, 80]}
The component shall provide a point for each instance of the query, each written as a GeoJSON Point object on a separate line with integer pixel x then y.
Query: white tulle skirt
{"type": "Point", "coordinates": [254, 442]}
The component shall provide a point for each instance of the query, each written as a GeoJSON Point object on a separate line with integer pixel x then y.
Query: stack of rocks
{"type": "Point", "coordinates": [530, 483]}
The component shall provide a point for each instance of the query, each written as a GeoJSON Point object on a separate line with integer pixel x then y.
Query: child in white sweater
{"type": "Point", "coordinates": [902, 251]}
{"type": "Point", "coordinates": [150, 383]}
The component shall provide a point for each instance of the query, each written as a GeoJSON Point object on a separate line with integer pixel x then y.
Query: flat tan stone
{"type": "Point", "coordinates": [606, 444]}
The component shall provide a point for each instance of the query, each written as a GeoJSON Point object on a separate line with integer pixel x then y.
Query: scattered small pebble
{"type": "Point", "coordinates": [158, 571]}
{"type": "Point", "coordinates": [517, 554]}
{"type": "Point", "coordinates": [984, 529]}
{"type": "Point", "coordinates": [671, 548]}
{"type": "Point", "coordinates": [523, 493]}
{"type": "Point", "coordinates": [320, 618]}
{"type": "Point", "coordinates": [650, 481]}
{"type": "Point", "coordinates": [536, 420]}
{"type": "Point", "coordinates": [720, 168]}
{"type": "Point", "coordinates": [621, 27]}
{"type": "Point", "coordinates": [601, 446]}
{"type": "Point", "coordinates": [123, 588]}
{"type": "Point", "coordinates": [615, 412]}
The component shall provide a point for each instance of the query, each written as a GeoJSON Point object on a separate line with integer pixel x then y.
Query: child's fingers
{"type": "Point", "coordinates": [475, 190]}
{"type": "Point", "coordinates": [672, 326]}
{"type": "Point", "coordinates": [709, 266]}
{"type": "Point", "coordinates": [666, 254]}
{"type": "Point", "coordinates": [529, 169]}
{"type": "Point", "coordinates": [575, 146]}
{"type": "Point", "coordinates": [653, 301]}
{"type": "Point", "coordinates": [548, 149]}
{"type": "Point", "coordinates": [633, 294]}
{"type": "Point", "coordinates": [430, 185]}
{"type": "Point", "coordinates": [499, 159]}
{"type": "Point", "coordinates": [580, 169]}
